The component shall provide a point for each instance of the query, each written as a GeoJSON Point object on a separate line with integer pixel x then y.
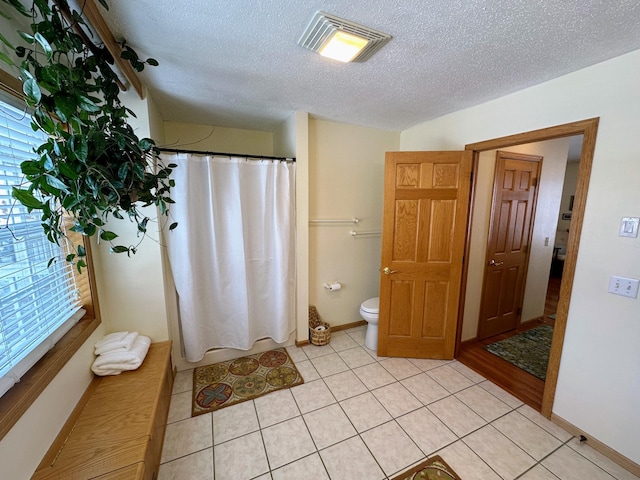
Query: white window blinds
{"type": "Point", "coordinates": [38, 305]}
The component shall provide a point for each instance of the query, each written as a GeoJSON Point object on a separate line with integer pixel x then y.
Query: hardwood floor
{"type": "Point", "coordinates": [519, 383]}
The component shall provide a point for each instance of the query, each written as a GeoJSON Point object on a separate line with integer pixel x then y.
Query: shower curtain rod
{"type": "Point", "coordinates": [225, 154]}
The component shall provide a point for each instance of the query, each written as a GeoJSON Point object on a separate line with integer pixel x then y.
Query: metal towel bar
{"type": "Point", "coordinates": [323, 221]}
{"type": "Point", "coordinates": [363, 234]}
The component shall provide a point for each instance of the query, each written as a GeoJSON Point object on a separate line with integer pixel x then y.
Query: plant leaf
{"type": "Point", "coordinates": [173, 226]}
{"type": "Point", "coordinates": [46, 46]}
{"type": "Point", "coordinates": [65, 105]}
{"type": "Point", "coordinates": [19, 7]}
{"type": "Point", "coordinates": [55, 183]}
{"type": "Point", "coordinates": [6, 42]}
{"type": "Point", "coordinates": [30, 167]}
{"type": "Point", "coordinates": [26, 198]}
{"type": "Point", "coordinates": [81, 149]}
{"type": "Point", "coordinates": [86, 104]}
{"type": "Point", "coordinates": [81, 264]}
{"type": "Point", "coordinates": [6, 59]}
{"type": "Point", "coordinates": [48, 163]}
{"type": "Point", "coordinates": [122, 171]}
{"type": "Point", "coordinates": [27, 37]}
{"type": "Point", "coordinates": [142, 226]}
{"type": "Point", "coordinates": [67, 170]}
{"type": "Point", "coordinates": [146, 144]}
{"type": "Point", "coordinates": [43, 6]}
{"type": "Point", "coordinates": [119, 249]}
{"type": "Point", "coordinates": [108, 236]}
{"type": "Point", "coordinates": [32, 90]}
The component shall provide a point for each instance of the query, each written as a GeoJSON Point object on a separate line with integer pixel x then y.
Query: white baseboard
{"type": "Point", "coordinates": [597, 445]}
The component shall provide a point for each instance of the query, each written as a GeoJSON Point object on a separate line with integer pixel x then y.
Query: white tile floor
{"type": "Point", "coordinates": [360, 416]}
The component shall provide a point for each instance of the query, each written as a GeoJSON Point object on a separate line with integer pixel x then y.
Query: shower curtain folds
{"type": "Point", "coordinates": [233, 253]}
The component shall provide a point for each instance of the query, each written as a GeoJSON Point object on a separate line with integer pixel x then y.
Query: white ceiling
{"type": "Point", "coordinates": [236, 63]}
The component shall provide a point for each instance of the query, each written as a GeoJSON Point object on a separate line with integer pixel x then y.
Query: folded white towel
{"type": "Point", "coordinates": [112, 337]}
{"type": "Point", "coordinates": [114, 363]}
{"type": "Point", "coordinates": [122, 345]}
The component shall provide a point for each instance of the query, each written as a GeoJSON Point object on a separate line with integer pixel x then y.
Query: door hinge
{"type": "Point", "coordinates": [534, 183]}
{"type": "Point", "coordinates": [519, 311]}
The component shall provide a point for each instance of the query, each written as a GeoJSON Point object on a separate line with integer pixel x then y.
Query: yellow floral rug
{"type": "Point", "coordinates": [228, 383]}
{"type": "Point", "coordinates": [435, 468]}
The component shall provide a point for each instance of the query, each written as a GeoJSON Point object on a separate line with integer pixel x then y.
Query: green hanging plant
{"type": "Point", "coordinates": [92, 165]}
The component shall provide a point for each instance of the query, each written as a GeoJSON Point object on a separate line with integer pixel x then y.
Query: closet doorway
{"type": "Point", "coordinates": [515, 382]}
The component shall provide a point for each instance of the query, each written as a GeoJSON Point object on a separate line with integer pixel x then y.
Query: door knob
{"type": "Point", "coordinates": [493, 263]}
{"type": "Point", "coordinates": [388, 271]}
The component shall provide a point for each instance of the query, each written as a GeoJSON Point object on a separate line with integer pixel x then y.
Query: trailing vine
{"type": "Point", "coordinates": [92, 167]}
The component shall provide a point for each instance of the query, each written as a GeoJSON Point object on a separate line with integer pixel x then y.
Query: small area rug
{"type": "Point", "coordinates": [434, 468]}
{"type": "Point", "coordinates": [228, 383]}
{"type": "Point", "coordinates": [528, 350]}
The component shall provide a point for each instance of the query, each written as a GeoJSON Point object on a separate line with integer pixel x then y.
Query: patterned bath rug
{"type": "Point", "coordinates": [434, 468]}
{"type": "Point", "coordinates": [228, 383]}
{"type": "Point", "coordinates": [528, 350]}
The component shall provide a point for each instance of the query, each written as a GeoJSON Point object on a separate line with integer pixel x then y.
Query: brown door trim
{"type": "Point", "coordinates": [589, 129]}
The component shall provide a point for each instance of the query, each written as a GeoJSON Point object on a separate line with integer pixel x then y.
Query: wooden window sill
{"type": "Point", "coordinates": [19, 398]}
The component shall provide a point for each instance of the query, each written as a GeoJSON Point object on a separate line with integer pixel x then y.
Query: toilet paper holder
{"type": "Point", "coordinates": [332, 287]}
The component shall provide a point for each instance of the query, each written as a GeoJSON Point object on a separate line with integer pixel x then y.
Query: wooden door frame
{"type": "Point", "coordinates": [589, 129]}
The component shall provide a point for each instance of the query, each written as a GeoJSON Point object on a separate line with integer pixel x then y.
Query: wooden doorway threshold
{"type": "Point", "coordinates": [520, 384]}
{"type": "Point", "coordinates": [588, 128]}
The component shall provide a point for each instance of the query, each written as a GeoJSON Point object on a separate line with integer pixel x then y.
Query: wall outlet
{"type": "Point", "coordinates": [627, 287]}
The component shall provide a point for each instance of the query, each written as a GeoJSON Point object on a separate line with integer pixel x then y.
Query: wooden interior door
{"type": "Point", "coordinates": [515, 192]}
{"type": "Point", "coordinates": [426, 204]}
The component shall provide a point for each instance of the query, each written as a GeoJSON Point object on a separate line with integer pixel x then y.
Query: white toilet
{"type": "Point", "coordinates": [369, 311]}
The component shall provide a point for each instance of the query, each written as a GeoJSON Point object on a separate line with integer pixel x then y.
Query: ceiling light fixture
{"type": "Point", "coordinates": [341, 39]}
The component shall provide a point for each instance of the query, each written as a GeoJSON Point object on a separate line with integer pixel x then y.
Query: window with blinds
{"type": "Point", "coordinates": [38, 304]}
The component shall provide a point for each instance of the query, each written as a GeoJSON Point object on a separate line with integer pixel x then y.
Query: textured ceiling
{"type": "Point", "coordinates": [236, 63]}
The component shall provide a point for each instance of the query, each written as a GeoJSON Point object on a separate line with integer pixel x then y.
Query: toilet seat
{"type": "Point", "coordinates": [372, 305]}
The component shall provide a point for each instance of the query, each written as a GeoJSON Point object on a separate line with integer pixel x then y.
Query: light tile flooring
{"type": "Point", "coordinates": [359, 416]}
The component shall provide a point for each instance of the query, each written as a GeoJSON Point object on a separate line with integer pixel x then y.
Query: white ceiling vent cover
{"type": "Point", "coordinates": [323, 25]}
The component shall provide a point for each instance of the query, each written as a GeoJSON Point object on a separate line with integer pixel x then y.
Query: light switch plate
{"type": "Point", "coordinates": [629, 227]}
{"type": "Point", "coordinates": [627, 287]}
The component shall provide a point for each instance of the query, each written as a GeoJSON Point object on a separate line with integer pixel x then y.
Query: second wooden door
{"type": "Point", "coordinates": [512, 211]}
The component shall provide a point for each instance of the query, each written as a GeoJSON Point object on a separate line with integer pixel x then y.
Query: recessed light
{"type": "Point", "coordinates": [341, 39]}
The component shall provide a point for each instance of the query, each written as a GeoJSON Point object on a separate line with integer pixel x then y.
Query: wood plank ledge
{"type": "Point", "coordinates": [117, 428]}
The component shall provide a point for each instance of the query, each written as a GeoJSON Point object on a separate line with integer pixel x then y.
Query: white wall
{"type": "Point", "coordinates": [284, 139]}
{"type": "Point", "coordinates": [22, 449]}
{"type": "Point", "coordinates": [598, 388]}
{"type": "Point", "coordinates": [292, 139]}
{"type": "Point", "coordinates": [554, 153]}
{"type": "Point", "coordinates": [217, 139]}
{"type": "Point", "coordinates": [131, 289]}
{"type": "Point", "coordinates": [346, 173]}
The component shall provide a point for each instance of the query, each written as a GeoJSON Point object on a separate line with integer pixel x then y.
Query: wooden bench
{"type": "Point", "coordinates": [117, 429]}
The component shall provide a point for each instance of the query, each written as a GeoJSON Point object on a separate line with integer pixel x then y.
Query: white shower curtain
{"type": "Point", "coordinates": [232, 254]}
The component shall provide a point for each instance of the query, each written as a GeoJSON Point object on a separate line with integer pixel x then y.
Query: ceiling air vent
{"type": "Point", "coordinates": [324, 28]}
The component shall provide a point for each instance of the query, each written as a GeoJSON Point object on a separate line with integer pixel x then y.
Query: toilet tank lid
{"type": "Point", "coordinates": [371, 305]}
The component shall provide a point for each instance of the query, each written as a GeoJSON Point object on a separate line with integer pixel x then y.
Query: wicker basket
{"type": "Point", "coordinates": [318, 337]}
